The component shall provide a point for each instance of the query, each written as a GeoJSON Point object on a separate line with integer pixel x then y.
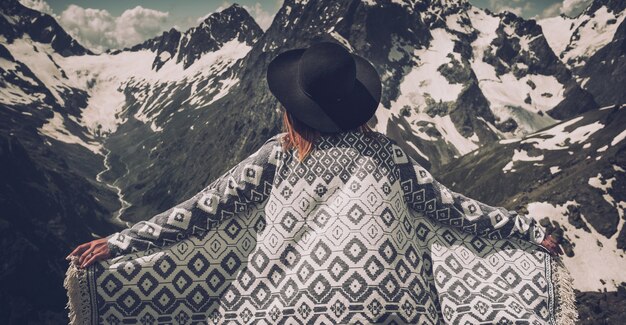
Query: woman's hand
{"type": "Point", "coordinates": [552, 245]}
{"type": "Point", "coordinates": [87, 253]}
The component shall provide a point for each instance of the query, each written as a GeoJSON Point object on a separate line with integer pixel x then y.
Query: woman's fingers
{"type": "Point", "coordinates": [556, 246]}
{"type": "Point", "coordinates": [85, 254]}
{"type": "Point", "coordinates": [552, 246]}
{"type": "Point", "coordinates": [556, 249]}
{"type": "Point", "coordinates": [89, 252]}
{"type": "Point", "coordinates": [559, 249]}
{"type": "Point", "coordinates": [78, 250]}
{"type": "Point", "coordinates": [91, 259]}
{"type": "Point", "coordinates": [100, 251]}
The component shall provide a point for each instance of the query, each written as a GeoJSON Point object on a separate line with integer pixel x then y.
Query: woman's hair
{"type": "Point", "coordinates": [302, 137]}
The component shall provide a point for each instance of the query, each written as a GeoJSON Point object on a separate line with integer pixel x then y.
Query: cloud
{"type": "Point", "coordinates": [574, 7]}
{"type": "Point", "coordinates": [569, 8]}
{"type": "Point", "coordinates": [224, 5]}
{"type": "Point", "coordinates": [38, 5]}
{"type": "Point", "coordinates": [517, 7]}
{"type": "Point", "coordinates": [550, 11]}
{"type": "Point", "coordinates": [99, 30]}
{"type": "Point", "coordinates": [262, 17]}
{"type": "Point", "coordinates": [138, 24]}
{"type": "Point", "coordinates": [91, 27]}
{"type": "Point", "coordinates": [516, 10]}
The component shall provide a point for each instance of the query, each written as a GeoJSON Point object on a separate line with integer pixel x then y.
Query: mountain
{"type": "Point", "coordinates": [576, 39]}
{"type": "Point", "coordinates": [18, 22]}
{"type": "Point", "coordinates": [455, 76]}
{"type": "Point", "coordinates": [607, 67]}
{"type": "Point", "coordinates": [59, 104]}
{"type": "Point", "coordinates": [592, 46]}
{"type": "Point", "coordinates": [125, 134]}
{"type": "Point", "coordinates": [574, 174]}
{"type": "Point", "coordinates": [232, 23]}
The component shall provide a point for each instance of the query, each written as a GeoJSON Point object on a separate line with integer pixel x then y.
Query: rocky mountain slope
{"type": "Point", "coordinates": [58, 106]}
{"type": "Point", "coordinates": [126, 134]}
{"type": "Point", "coordinates": [574, 175]}
{"type": "Point", "coordinates": [592, 46]}
{"type": "Point", "coordinates": [572, 172]}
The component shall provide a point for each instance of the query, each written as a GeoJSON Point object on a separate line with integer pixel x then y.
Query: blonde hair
{"type": "Point", "coordinates": [302, 137]}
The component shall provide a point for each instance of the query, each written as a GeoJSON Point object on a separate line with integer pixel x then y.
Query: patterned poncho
{"type": "Point", "coordinates": [357, 232]}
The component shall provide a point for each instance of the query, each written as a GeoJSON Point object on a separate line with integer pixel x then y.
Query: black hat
{"type": "Point", "coordinates": [325, 86]}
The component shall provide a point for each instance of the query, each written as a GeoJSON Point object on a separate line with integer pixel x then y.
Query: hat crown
{"type": "Point", "coordinates": [327, 72]}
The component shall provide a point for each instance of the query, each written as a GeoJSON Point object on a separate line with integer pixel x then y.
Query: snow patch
{"type": "Point", "coordinates": [105, 77]}
{"type": "Point", "coordinates": [341, 39]}
{"type": "Point", "coordinates": [55, 128]}
{"type": "Point", "coordinates": [618, 138]}
{"type": "Point", "coordinates": [520, 155]}
{"type": "Point", "coordinates": [424, 81]}
{"type": "Point", "coordinates": [594, 33]}
{"type": "Point", "coordinates": [599, 182]}
{"type": "Point", "coordinates": [506, 93]}
{"type": "Point", "coordinates": [557, 31]}
{"type": "Point", "coordinates": [412, 145]}
{"type": "Point", "coordinates": [507, 90]}
{"type": "Point", "coordinates": [557, 138]}
{"type": "Point", "coordinates": [506, 141]}
{"type": "Point", "coordinates": [453, 23]}
{"type": "Point", "coordinates": [164, 56]}
{"type": "Point", "coordinates": [45, 67]}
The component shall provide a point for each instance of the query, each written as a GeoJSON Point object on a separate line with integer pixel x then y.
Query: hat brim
{"type": "Point", "coordinates": [356, 109]}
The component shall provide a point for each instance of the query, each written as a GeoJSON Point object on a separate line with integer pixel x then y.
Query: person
{"type": "Point", "coordinates": [336, 194]}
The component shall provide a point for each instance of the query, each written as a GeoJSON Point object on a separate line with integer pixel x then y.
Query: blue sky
{"type": "Point", "coordinates": [100, 25]}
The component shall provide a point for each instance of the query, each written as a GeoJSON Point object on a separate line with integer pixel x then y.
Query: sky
{"type": "Point", "coordinates": [101, 25]}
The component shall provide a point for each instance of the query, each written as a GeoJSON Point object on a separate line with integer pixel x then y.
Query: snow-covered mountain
{"type": "Point", "coordinates": [134, 131]}
{"type": "Point", "coordinates": [577, 39]}
{"type": "Point", "coordinates": [60, 106]}
{"type": "Point", "coordinates": [574, 174]}
{"type": "Point", "coordinates": [592, 46]}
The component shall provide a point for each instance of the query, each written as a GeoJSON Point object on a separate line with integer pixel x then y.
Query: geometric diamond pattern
{"type": "Point", "coordinates": [358, 232]}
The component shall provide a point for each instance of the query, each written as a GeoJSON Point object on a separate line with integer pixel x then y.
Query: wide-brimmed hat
{"type": "Point", "coordinates": [325, 86]}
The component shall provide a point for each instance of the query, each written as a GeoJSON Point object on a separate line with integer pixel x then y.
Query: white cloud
{"type": "Point", "coordinates": [224, 5]}
{"type": "Point", "coordinates": [38, 5]}
{"type": "Point", "coordinates": [99, 30]}
{"type": "Point", "coordinates": [138, 24]}
{"type": "Point", "coordinates": [515, 6]}
{"type": "Point", "coordinates": [574, 7]}
{"type": "Point", "coordinates": [91, 27]}
{"type": "Point", "coordinates": [515, 10]}
{"type": "Point", "coordinates": [262, 17]}
{"type": "Point", "coordinates": [550, 11]}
